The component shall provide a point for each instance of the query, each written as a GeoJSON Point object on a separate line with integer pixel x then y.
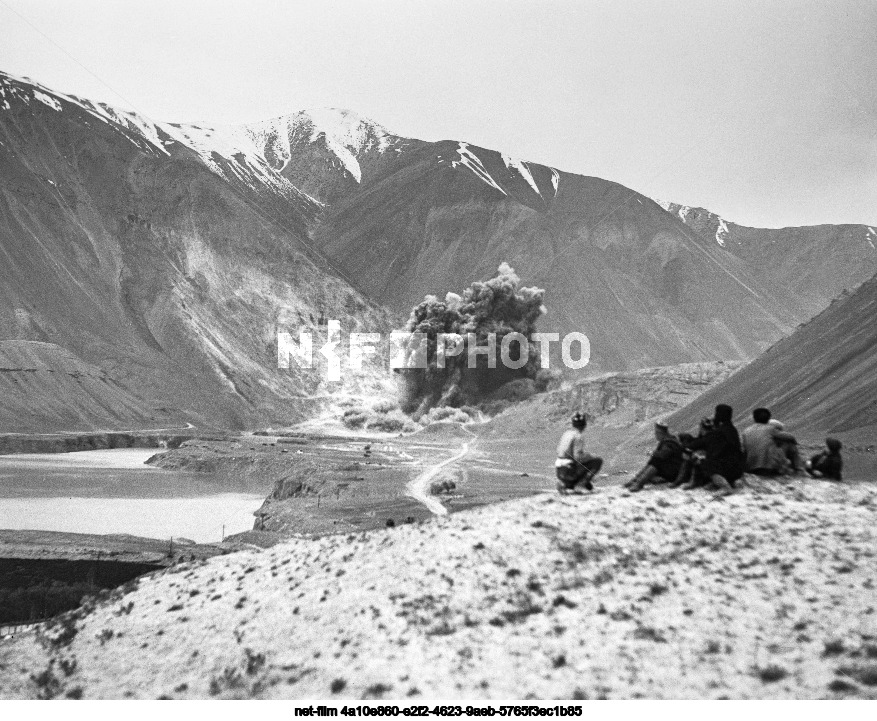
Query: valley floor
{"type": "Point", "coordinates": [768, 593]}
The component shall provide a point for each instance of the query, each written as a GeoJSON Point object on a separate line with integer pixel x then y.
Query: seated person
{"type": "Point", "coordinates": [574, 465]}
{"type": "Point", "coordinates": [664, 463]}
{"type": "Point", "coordinates": [690, 474]}
{"type": "Point", "coordinates": [788, 444]}
{"type": "Point", "coordinates": [828, 463]}
{"type": "Point", "coordinates": [723, 464]}
{"type": "Point", "coordinates": [762, 453]}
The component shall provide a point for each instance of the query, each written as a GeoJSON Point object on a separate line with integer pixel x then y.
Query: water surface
{"type": "Point", "coordinates": [112, 491]}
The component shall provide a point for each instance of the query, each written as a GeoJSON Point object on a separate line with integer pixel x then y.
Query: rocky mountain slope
{"type": "Point", "coordinates": [817, 262]}
{"type": "Point", "coordinates": [166, 255]}
{"type": "Point", "coordinates": [46, 388]}
{"type": "Point", "coordinates": [820, 380]}
{"type": "Point", "coordinates": [412, 217]}
{"type": "Point", "coordinates": [767, 594]}
{"type": "Point", "coordinates": [644, 288]}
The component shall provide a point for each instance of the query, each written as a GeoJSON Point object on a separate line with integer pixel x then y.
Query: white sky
{"type": "Point", "coordinates": [765, 112]}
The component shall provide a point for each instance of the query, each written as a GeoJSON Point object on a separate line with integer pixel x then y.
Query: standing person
{"type": "Point", "coordinates": [574, 465]}
{"type": "Point", "coordinates": [723, 464]}
{"type": "Point", "coordinates": [664, 463]}
{"type": "Point", "coordinates": [763, 454]}
{"type": "Point", "coordinates": [828, 463]}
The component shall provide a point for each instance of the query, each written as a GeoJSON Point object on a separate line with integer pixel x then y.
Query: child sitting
{"type": "Point", "coordinates": [828, 463]}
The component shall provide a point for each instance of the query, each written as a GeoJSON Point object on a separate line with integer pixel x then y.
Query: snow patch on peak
{"type": "Point", "coordinates": [681, 211]}
{"type": "Point", "coordinates": [722, 232]}
{"type": "Point", "coordinates": [521, 168]}
{"type": "Point", "coordinates": [665, 204]}
{"type": "Point", "coordinates": [48, 100]}
{"type": "Point", "coordinates": [346, 128]}
{"type": "Point", "coordinates": [344, 133]}
{"type": "Point", "coordinates": [555, 180]}
{"type": "Point", "coordinates": [469, 160]}
{"type": "Point", "coordinates": [871, 236]}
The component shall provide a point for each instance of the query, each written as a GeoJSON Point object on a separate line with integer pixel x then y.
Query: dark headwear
{"type": "Point", "coordinates": [834, 445]}
{"type": "Point", "coordinates": [579, 420]}
{"type": "Point", "coordinates": [661, 427]}
{"type": "Point", "coordinates": [761, 415]}
{"type": "Point", "coordinates": [723, 413]}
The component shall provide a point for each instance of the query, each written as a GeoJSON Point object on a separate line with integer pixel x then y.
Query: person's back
{"type": "Point", "coordinates": [571, 444]}
{"type": "Point", "coordinates": [788, 445]}
{"type": "Point", "coordinates": [759, 442]}
{"type": "Point", "coordinates": [724, 456]}
{"type": "Point", "coordinates": [667, 457]}
{"type": "Point", "coordinates": [574, 464]}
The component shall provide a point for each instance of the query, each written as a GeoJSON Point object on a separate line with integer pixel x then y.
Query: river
{"type": "Point", "coordinates": [113, 491]}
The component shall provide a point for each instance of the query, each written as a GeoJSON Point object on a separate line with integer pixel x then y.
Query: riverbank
{"type": "Point", "coordinates": [11, 443]}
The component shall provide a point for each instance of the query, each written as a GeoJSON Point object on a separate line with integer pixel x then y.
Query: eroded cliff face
{"type": "Point", "coordinates": [158, 259]}
{"type": "Point", "coordinates": [817, 262]}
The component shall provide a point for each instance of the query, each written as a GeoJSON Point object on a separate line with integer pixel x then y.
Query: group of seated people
{"type": "Point", "coordinates": [718, 456]}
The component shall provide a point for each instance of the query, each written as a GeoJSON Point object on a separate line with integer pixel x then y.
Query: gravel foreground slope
{"type": "Point", "coordinates": [768, 593]}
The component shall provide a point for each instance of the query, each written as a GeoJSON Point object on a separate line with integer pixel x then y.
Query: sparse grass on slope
{"type": "Point", "coordinates": [769, 593]}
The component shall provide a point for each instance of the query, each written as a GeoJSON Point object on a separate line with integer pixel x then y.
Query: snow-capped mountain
{"type": "Point", "coordinates": [615, 266]}
{"type": "Point", "coordinates": [165, 255]}
{"type": "Point", "coordinates": [326, 153]}
{"type": "Point", "coordinates": [228, 151]}
{"type": "Point", "coordinates": [818, 262]}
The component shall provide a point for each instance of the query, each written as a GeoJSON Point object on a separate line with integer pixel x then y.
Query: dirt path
{"type": "Point", "coordinates": [418, 488]}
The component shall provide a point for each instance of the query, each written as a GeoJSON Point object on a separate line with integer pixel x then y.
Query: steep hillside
{"type": "Point", "coordinates": [166, 255]}
{"type": "Point", "coordinates": [817, 262]}
{"type": "Point", "coordinates": [820, 380]}
{"type": "Point", "coordinates": [46, 388]}
{"type": "Point", "coordinates": [645, 289]}
{"type": "Point", "coordinates": [327, 153]}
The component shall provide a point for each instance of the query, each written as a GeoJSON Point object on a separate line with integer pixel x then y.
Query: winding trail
{"type": "Point", "coordinates": [418, 488]}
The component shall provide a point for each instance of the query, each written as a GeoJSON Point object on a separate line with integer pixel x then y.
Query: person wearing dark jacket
{"type": "Point", "coordinates": [723, 464]}
{"type": "Point", "coordinates": [664, 463]}
{"type": "Point", "coordinates": [690, 474]}
{"type": "Point", "coordinates": [828, 463]}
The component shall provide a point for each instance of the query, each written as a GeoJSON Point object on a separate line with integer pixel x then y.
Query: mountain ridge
{"type": "Point", "coordinates": [157, 259]}
{"type": "Point", "coordinates": [171, 252]}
